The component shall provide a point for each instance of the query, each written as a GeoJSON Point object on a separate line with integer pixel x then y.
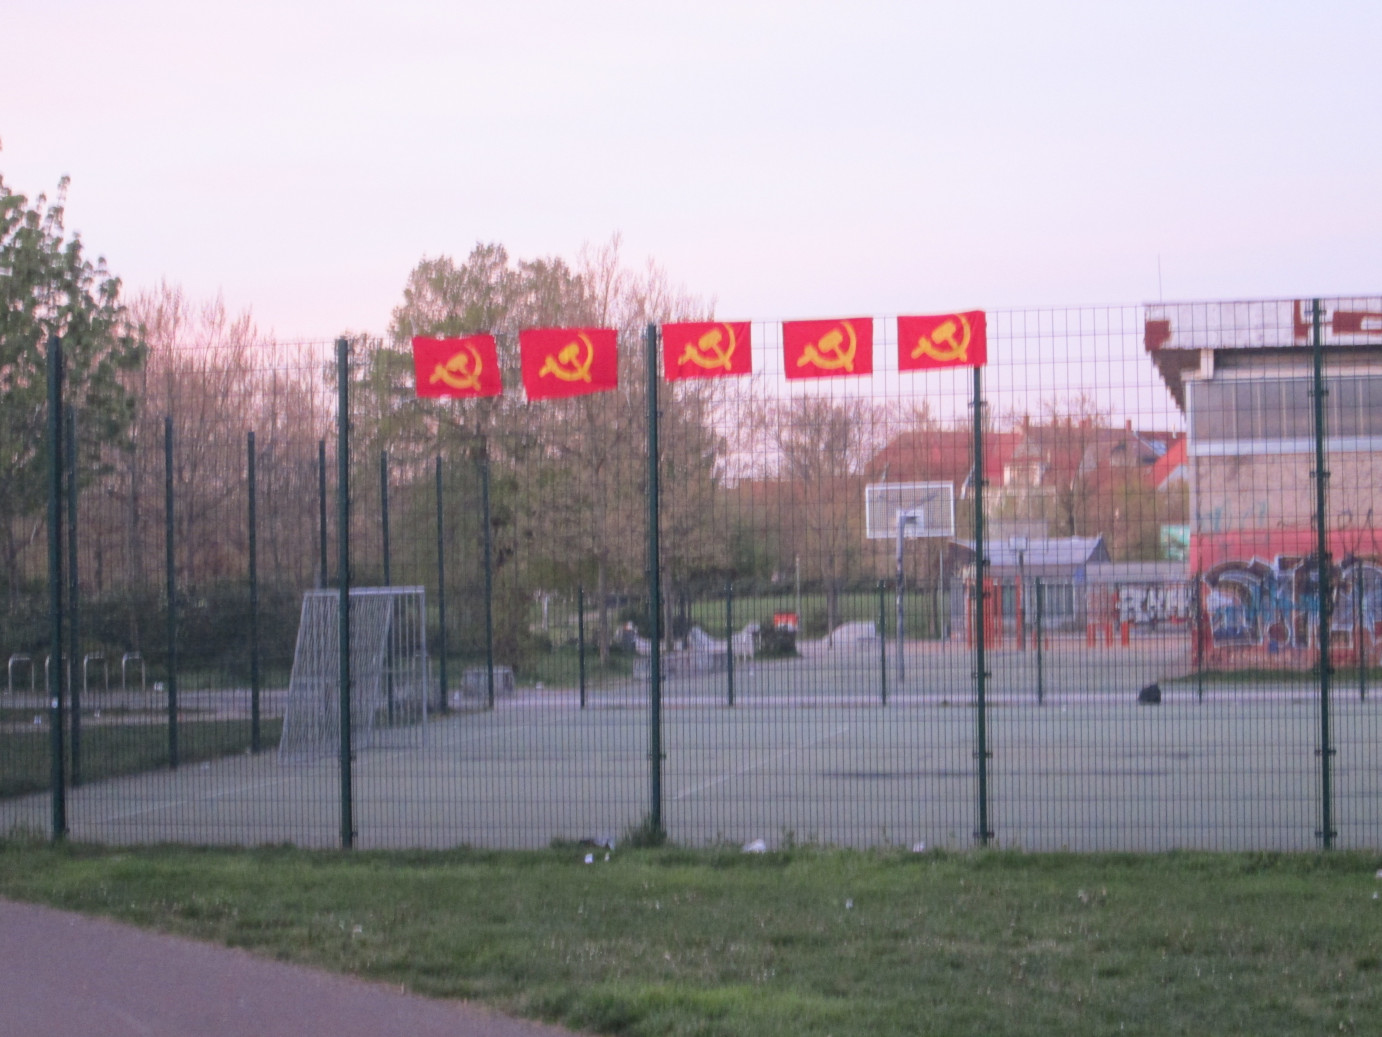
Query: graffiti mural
{"type": "Point", "coordinates": [1153, 603]}
{"type": "Point", "coordinates": [1274, 606]}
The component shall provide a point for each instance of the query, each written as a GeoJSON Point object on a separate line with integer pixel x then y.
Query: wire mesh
{"type": "Point", "coordinates": [1167, 659]}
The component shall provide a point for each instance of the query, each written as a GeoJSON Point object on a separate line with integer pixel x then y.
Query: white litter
{"type": "Point", "coordinates": [918, 847]}
{"type": "Point", "coordinates": [757, 846]}
{"type": "Point", "coordinates": [590, 858]}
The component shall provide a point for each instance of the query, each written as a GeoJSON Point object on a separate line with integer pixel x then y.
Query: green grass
{"type": "Point", "coordinates": [561, 667]}
{"type": "Point", "coordinates": [798, 942]}
{"type": "Point", "coordinates": [112, 750]}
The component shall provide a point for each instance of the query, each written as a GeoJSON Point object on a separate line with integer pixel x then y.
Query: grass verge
{"type": "Point", "coordinates": [801, 942]}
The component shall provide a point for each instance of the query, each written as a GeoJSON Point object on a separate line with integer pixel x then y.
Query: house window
{"type": "Point", "coordinates": [1277, 409]}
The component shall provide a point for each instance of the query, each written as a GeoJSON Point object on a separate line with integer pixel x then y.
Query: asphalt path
{"type": "Point", "coordinates": [63, 973]}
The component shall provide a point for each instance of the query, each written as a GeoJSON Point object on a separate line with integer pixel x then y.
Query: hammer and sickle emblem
{"type": "Point", "coordinates": [831, 353]}
{"type": "Point", "coordinates": [462, 371]}
{"type": "Point", "coordinates": [707, 352]}
{"type": "Point", "coordinates": [946, 343]}
{"type": "Point", "coordinates": [567, 364]}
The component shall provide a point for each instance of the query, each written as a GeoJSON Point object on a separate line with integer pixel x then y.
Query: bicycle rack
{"type": "Point", "coordinates": [21, 658]}
{"type": "Point", "coordinates": [91, 657]}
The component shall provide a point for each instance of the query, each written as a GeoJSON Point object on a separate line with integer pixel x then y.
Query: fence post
{"type": "Point", "coordinates": [980, 676]}
{"type": "Point", "coordinates": [900, 662]}
{"type": "Point", "coordinates": [343, 581]}
{"type": "Point", "coordinates": [170, 567]}
{"type": "Point", "coordinates": [1326, 749]}
{"type": "Point", "coordinates": [388, 581]}
{"type": "Point", "coordinates": [729, 642]}
{"type": "Point", "coordinates": [252, 520]}
{"type": "Point", "coordinates": [384, 513]}
{"type": "Point", "coordinates": [489, 577]}
{"type": "Point", "coordinates": [654, 594]}
{"type": "Point", "coordinates": [882, 643]}
{"type": "Point", "coordinates": [321, 513]}
{"type": "Point", "coordinates": [74, 642]}
{"type": "Point", "coordinates": [1040, 638]}
{"type": "Point", "coordinates": [1358, 632]}
{"type": "Point", "coordinates": [1197, 635]}
{"type": "Point", "coordinates": [441, 595]}
{"type": "Point", "coordinates": [580, 640]}
{"type": "Point", "coordinates": [57, 773]}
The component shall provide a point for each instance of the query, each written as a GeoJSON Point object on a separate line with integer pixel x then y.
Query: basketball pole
{"type": "Point", "coordinates": [903, 518]}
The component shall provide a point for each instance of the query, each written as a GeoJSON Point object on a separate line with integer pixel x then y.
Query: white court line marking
{"type": "Point", "coordinates": [762, 763]}
{"type": "Point", "coordinates": [165, 804]}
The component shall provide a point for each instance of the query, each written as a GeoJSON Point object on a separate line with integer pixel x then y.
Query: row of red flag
{"type": "Point", "coordinates": [558, 362]}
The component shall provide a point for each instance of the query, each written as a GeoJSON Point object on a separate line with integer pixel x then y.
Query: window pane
{"type": "Point", "coordinates": [1271, 414]}
{"type": "Point", "coordinates": [1344, 412]}
{"type": "Point", "coordinates": [1296, 419]}
{"type": "Point", "coordinates": [1244, 427]}
{"type": "Point", "coordinates": [1372, 406]}
{"type": "Point", "coordinates": [1210, 418]}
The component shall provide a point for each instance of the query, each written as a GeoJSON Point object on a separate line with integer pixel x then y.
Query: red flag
{"type": "Point", "coordinates": [826, 348]}
{"type": "Point", "coordinates": [705, 350]}
{"type": "Point", "coordinates": [948, 340]}
{"type": "Point", "coordinates": [457, 367]}
{"type": "Point", "coordinates": [560, 362]}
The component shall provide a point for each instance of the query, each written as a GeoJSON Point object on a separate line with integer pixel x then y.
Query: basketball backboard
{"type": "Point", "coordinates": [928, 509]}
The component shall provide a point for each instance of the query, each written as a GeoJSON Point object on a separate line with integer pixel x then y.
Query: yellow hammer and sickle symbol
{"type": "Point", "coordinates": [568, 365]}
{"type": "Point", "coordinates": [827, 354]}
{"type": "Point", "coordinates": [458, 372]}
{"type": "Point", "coordinates": [706, 351]}
{"type": "Point", "coordinates": [956, 341]}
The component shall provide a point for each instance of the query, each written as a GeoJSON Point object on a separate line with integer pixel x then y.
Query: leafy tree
{"type": "Point", "coordinates": [49, 286]}
{"type": "Point", "coordinates": [568, 478]}
{"type": "Point", "coordinates": [825, 446]}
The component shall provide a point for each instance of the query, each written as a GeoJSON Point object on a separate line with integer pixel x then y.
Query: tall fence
{"type": "Point", "coordinates": [1118, 588]}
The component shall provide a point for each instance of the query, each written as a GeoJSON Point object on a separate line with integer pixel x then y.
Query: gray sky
{"type": "Point", "coordinates": [790, 159]}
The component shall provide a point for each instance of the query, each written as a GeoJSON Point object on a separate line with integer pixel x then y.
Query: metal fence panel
{"type": "Point", "coordinates": [1164, 635]}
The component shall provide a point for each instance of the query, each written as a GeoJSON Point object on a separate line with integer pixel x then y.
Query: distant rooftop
{"type": "Point", "coordinates": [1176, 332]}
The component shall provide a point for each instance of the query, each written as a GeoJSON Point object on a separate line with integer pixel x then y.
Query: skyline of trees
{"type": "Point", "coordinates": [756, 479]}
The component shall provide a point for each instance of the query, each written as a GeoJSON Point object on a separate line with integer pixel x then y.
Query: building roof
{"type": "Point", "coordinates": [1170, 467]}
{"type": "Point", "coordinates": [1175, 333]}
{"type": "Point", "coordinates": [1046, 553]}
{"type": "Point", "coordinates": [941, 455]}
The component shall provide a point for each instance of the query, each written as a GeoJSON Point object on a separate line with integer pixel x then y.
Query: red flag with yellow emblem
{"type": "Point", "coordinates": [828, 348]}
{"type": "Point", "coordinates": [705, 349]}
{"type": "Point", "coordinates": [948, 340]}
{"type": "Point", "coordinates": [461, 368]}
{"type": "Point", "coordinates": [560, 362]}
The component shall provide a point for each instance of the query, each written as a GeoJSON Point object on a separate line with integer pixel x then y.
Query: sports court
{"type": "Point", "coordinates": [809, 753]}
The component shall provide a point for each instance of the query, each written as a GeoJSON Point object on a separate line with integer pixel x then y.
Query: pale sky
{"type": "Point", "coordinates": [789, 159]}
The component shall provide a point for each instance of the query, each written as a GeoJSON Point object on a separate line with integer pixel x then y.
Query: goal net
{"type": "Point", "coordinates": [388, 672]}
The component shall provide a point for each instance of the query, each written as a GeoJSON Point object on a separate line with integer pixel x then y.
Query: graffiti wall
{"type": "Point", "coordinates": [1260, 612]}
{"type": "Point", "coordinates": [1152, 604]}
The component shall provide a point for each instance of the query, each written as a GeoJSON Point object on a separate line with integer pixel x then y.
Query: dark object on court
{"type": "Point", "coordinates": [1150, 695]}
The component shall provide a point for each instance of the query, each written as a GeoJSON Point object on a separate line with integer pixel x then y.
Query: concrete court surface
{"type": "Point", "coordinates": [70, 975]}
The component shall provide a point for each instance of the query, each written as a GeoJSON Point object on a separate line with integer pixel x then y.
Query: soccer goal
{"type": "Point", "coordinates": [388, 672]}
